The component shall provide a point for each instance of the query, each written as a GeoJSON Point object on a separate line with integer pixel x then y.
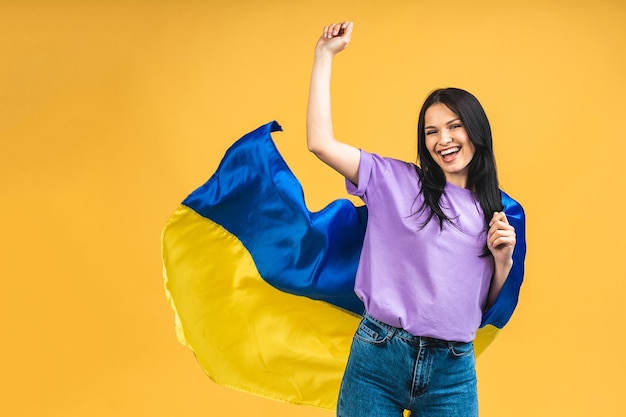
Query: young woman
{"type": "Point", "coordinates": [437, 250]}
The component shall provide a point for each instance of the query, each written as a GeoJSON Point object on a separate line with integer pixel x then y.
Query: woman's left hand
{"type": "Point", "coordinates": [501, 238]}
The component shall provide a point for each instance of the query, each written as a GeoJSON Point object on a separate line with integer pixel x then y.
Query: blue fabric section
{"type": "Point", "coordinates": [256, 197]}
{"type": "Point", "coordinates": [502, 310]}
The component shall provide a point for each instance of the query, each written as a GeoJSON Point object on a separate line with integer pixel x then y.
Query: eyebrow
{"type": "Point", "coordinates": [458, 119]}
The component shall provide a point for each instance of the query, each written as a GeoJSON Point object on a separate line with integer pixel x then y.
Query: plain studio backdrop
{"type": "Point", "coordinates": [111, 112]}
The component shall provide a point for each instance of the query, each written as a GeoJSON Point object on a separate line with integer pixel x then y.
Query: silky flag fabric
{"type": "Point", "coordinates": [262, 288]}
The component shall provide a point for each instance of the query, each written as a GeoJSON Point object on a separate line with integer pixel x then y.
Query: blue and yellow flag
{"type": "Point", "coordinates": [262, 288]}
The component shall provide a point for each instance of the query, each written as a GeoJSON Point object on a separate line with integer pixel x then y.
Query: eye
{"type": "Point", "coordinates": [455, 126]}
{"type": "Point", "coordinates": [430, 132]}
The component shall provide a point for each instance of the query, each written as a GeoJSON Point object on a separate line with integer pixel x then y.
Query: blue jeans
{"type": "Point", "coordinates": [390, 370]}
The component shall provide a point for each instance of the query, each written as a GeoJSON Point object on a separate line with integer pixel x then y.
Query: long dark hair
{"type": "Point", "coordinates": [482, 177]}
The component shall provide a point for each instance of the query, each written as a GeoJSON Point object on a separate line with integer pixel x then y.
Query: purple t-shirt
{"type": "Point", "coordinates": [428, 281]}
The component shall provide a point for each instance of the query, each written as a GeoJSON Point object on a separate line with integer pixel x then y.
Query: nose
{"type": "Point", "coordinates": [445, 138]}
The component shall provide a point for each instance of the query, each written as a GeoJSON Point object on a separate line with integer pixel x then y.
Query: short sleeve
{"type": "Point", "coordinates": [365, 172]}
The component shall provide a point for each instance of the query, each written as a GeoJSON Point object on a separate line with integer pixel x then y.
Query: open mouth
{"type": "Point", "coordinates": [449, 154]}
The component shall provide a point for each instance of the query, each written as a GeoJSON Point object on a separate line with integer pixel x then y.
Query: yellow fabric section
{"type": "Point", "coordinates": [484, 336]}
{"type": "Point", "coordinates": [245, 333]}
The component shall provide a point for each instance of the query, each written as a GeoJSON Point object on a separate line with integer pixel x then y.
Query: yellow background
{"type": "Point", "coordinates": [111, 112]}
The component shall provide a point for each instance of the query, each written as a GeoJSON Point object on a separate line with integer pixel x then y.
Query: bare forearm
{"type": "Point", "coordinates": [500, 274]}
{"type": "Point", "coordinates": [319, 126]}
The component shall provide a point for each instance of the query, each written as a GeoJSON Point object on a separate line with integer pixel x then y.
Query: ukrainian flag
{"type": "Point", "coordinates": [262, 288]}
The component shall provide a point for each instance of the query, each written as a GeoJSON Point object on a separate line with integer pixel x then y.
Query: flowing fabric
{"type": "Point", "coordinates": [262, 288]}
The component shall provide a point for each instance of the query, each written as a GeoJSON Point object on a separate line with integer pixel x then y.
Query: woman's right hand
{"type": "Point", "coordinates": [335, 38]}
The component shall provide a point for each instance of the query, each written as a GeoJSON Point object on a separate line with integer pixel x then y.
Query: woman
{"type": "Point", "coordinates": [437, 250]}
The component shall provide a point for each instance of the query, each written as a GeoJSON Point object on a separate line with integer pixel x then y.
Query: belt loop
{"type": "Point", "coordinates": [421, 341]}
{"type": "Point", "coordinates": [392, 332]}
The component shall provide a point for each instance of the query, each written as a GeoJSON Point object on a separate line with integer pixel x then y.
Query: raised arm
{"type": "Point", "coordinates": [321, 141]}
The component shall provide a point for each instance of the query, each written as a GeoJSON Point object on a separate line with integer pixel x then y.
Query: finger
{"type": "Point", "coordinates": [333, 30]}
{"type": "Point", "coordinates": [503, 242]}
{"type": "Point", "coordinates": [343, 26]}
{"type": "Point", "coordinates": [502, 238]}
{"type": "Point", "coordinates": [329, 30]}
{"type": "Point", "coordinates": [326, 31]}
{"type": "Point", "coordinates": [500, 225]}
{"type": "Point", "coordinates": [337, 29]}
{"type": "Point", "coordinates": [502, 232]}
{"type": "Point", "coordinates": [347, 28]}
{"type": "Point", "coordinates": [500, 229]}
{"type": "Point", "coordinates": [498, 215]}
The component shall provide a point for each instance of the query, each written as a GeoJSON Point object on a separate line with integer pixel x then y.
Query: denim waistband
{"type": "Point", "coordinates": [422, 340]}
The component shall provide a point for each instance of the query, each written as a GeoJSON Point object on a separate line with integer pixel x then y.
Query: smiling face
{"type": "Point", "coordinates": [448, 143]}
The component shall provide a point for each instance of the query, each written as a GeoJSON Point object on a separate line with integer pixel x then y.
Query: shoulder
{"type": "Point", "coordinates": [513, 210]}
{"type": "Point", "coordinates": [383, 173]}
{"type": "Point", "coordinates": [511, 206]}
{"type": "Point", "coordinates": [384, 163]}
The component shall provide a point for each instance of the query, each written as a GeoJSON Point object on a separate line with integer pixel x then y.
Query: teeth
{"type": "Point", "coordinates": [449, 151]}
